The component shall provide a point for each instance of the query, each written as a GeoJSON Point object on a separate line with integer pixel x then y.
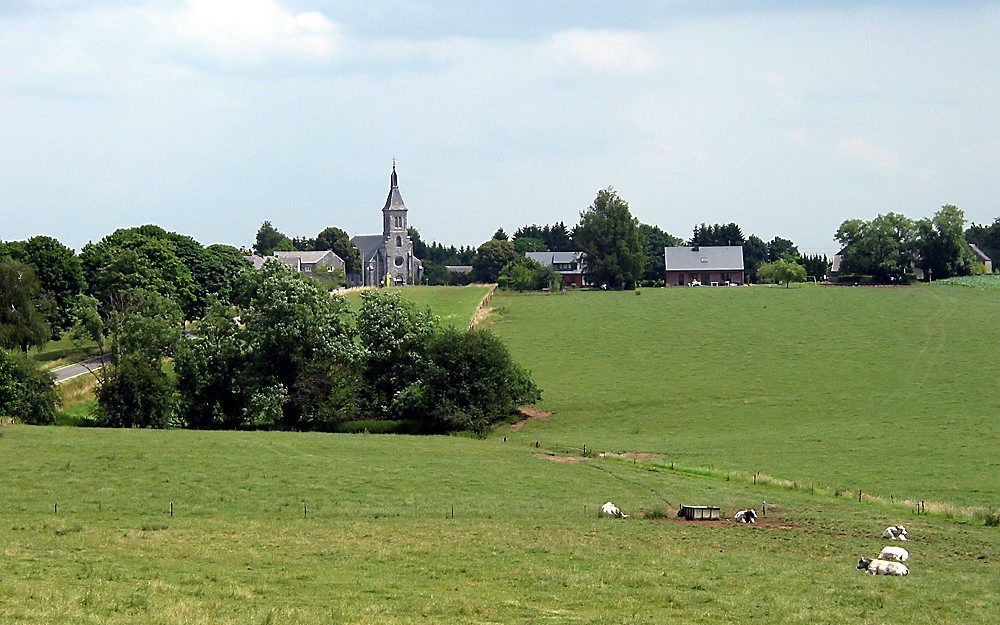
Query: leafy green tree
{"type": "Point", "coordinates": [782, 271]}
{"type": "Point", "coordinates": [143, 324]}
{"type": "Point", "coordinates": [656, 240]}
{"type": "Point", "coordinates": [525, 274]}
{"type": "Point", "coordinates": [270, 239]}
{"type": "Point", "coordinates": [941, 246]}
{"type": "Point", "coordinates": [612, 244]}
{"type": "Point", "coordinates": [134, 392]}
{"type": "Point", "coordinates": [882, 248]}
{"type": "Point", "coordinates": [88, 324]}
{"type": "Point", "coordinates": [337, 240]}
{"type": "Point", "coordinates": [754, 255]}
{"type": "Point", "coordinates": [23, 321]}
{"type": "Point", "coordinates": [523, 245]}
{"type": "Point", "coordinates": [490, 258]}
{"type": "Point", "coordinates": [778, 248]}
{"type": "Point", "coordinates": [394, 334]}
{"type": "Point", "coordinates": [60, 274]}
{"type": "Point", "coordinates": [436, 274]}
{"type": "Point", "coordinates": [26, 392]}
{"type": "Point", "coordinates": [717, 234]}
{"type": "Point", "coordinates": [816, 265]}
{"type": "Point", "coordinates": [500, 235]}
{"type": "Point", "coordinates": [986, 237]}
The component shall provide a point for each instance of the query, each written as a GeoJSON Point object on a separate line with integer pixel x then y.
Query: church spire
{"type": "Point", "coordinates": [393, 181]}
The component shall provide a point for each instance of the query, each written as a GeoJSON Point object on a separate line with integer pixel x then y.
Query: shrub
{"type": "Point", "coordinates": [26, 392]}
{"type": "Point", "coordinates": [134, 393]}
{"type": "Point", "coordinates": [525, 274]}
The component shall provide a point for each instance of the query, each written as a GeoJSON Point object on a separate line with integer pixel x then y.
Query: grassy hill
{"type": "Point", "coordinates": [889, 390]}
{"type": "Point", "coordinates": [378, 544]}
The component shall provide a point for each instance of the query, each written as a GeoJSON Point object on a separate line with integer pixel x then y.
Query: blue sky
{"type": "Point", "coordinates": [210, 116]}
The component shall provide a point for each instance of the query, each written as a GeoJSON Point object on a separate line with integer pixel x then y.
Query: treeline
{"type": "Point", "coordinates": [888, 248]}
{"type": "Point", "coordinates": [250, 349]}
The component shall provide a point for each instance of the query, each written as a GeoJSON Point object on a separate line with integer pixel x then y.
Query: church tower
{"type": "Point", "coordinates": [399, 261]}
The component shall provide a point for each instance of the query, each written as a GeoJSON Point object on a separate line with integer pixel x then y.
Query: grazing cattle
{"type": "Point", "coordinates": [611, 510]}
{"type": "Point", "coordinates": [894, 553]}
{"type": "Point", "coordinates": [895, 532]}
{"type": "Point", "coordinates": [746, 516]}
{"type": "Point", "coordinates": [882, 567]}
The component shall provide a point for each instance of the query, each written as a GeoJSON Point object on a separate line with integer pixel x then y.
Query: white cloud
{"type": "Point", "coordinates": [601, 51]}
{"type": "Point", "coordinates": [871, 155]}
{"type": "Point", "coordinates": [253, 28]}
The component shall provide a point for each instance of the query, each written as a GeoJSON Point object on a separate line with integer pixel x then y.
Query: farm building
{"type": "Point", "coordinates": [981, 257]}
{"type": "Point", "coordinates": [569, 265]}
{"type": "Point", "coordinates": [707, 265]}
{"type": "Point", "coordinates": [308, 262]}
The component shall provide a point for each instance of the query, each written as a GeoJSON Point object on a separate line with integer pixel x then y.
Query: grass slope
{"type": "Point", "coordinates": [525, 545]}
{"type": "Point", "coordinates": [455, 305]}
{"type": "Point", "coordinates": [889, 390]}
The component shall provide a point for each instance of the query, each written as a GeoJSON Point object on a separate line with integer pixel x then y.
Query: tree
{"type": "Point", "coordinates": [22, 320]}
{"type": "Point", "coordinates": [500, 235]}
{"type": "Point", "coordinates": [436, 274]}
{"type": "Point", "coordinates": [941, 247]}
{"type": "Point", "coordinates": [490, 258]}
{"type": "Point", "coordinates": [269, 239]}
{"type": "Point", "coordinates": [522, 245]}
{"type": "Point", "coordinates": [782, 271]}
{"type": "Point", "coordinates": [134, 393]}
{"type": "Point", "coordinates": [525, 274]}
{"type": "Point", "coordinates": [717, 234]}
{"type": "Point", "coordinates": [882, 248]}
{"type": "Point", "coordinates": [781, 248]}
{"type": "Point", "coordinates": [656, 240]}
{"type": "Point", "coordinates": [611, 242]}
{"type": "Point", "coordinates": [987, 238]}
{"type": "Point", "coordinates": [754, 254]}
{"type": "Point", "coordinates": [88, 325]}
{"type": "Point", "coordinates": [337, 240]}
{"type": "Point", "coordinates": [26, 392]}
{"type": "Point", "coordinates": [816, 265]}
{"type": "Point", "coordinates": [60, 274]}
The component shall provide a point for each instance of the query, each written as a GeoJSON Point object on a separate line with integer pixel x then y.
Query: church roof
{"type": "Point", "coordinates": [394, 201]}
{"type": "Point", "coordinates": [368, 245]}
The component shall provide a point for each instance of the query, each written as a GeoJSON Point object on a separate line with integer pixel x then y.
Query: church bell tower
{"type": "Point", "coordinates": [399, 265]}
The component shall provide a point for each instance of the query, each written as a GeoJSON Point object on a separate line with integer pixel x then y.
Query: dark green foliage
{"type": "Point", "coordinates": [134, 393]}
{"type": "Point", "coordinates": [782, 271]}
{"type": "Point", "coordinates": [525, 274]}
{"type": "Point", "coordinates": [942, 250]}
{"type": "Point", "coordinates": [22, 307]}
{"type": "Point", "coordinates": [436, 274]}
{"type": "Point", "coordinates": [778, 248]}
{"type": "Point", "coordinates": [337, 240]}
{"type": "Point", "coordinates": [500, 235]}
{"type": "Point", "coordinates": [612, 244]}
{"type": "Point", "coordinates": [26, 392]}
{"type": "Point", "coordinates": [269, 239]}
{"type": "Point", "coordinates": [554, 238]}
{"type": "Point", "coordinates": [656, 240]}
{"type": "Point", "coordinates": [60, 274]}
{"type": "Point", "coordinates": [882, 248]}
{"type": "Point", "coordinates": [754, 254]}
{"type": "Point", "coordinates": [717, 234]}
{"type": "Point", "coordinates": [529, 244]}
{"type": "Point", "coordinates": [143, 323]}
{"type": "Point", "coordinates": [490, 258]}
{"type": "Point", "coordinates": [987, 238]}
{"type": "Point", "coordinates": [816, 265]}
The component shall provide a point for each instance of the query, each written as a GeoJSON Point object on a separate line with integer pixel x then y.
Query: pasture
{"type": "Point", "coordinates": [454, 305]}
{"type": "Point", "coordinates": [377, 542]}
{"type": "Point", "coordinates": [889, 390]}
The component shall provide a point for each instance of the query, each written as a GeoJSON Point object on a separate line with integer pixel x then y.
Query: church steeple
{"type": "Point", "coordinates": [393, 181]}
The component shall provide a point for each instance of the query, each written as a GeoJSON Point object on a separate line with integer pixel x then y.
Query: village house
{"type": "Point", "coordinates": [569, 265]}
{"type": "Point", "coordinates": [982, 258]}
{"type": "Point", "coordinates": [388, 258]}
{"type": "Point", "coordinates": [720, 265]}
{"type": "Point", "coordinates": [309, 262]}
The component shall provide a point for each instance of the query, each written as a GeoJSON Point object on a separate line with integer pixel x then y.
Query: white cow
{"type": "Point", "coordinates": [895, 532]}
{"type": "Point", "coordinates": [894, 553]}
{"type": "Point", "coordinates": [611, 510]}
{"type": "Point", "coordinates": [882, 567]}
{"type": "Point", "coordinates": [746, 516]}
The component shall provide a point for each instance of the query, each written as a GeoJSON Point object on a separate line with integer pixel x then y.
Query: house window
{"type": "Point", "coordinates": [680, 279]}
{"type": "Point", "coordinates": [399, 241]}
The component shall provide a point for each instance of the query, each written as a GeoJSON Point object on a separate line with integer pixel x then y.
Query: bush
{"type": "Point", "coordinates": [134, 393]}
{"type": "Point", "coordinates": [525, 274]}
{"type": "Point", "coordinates": [26, 392]}
{"type": "Point", "coordinates": [852, 278]}
{"type": "Point", "coordinates": [381, 426]}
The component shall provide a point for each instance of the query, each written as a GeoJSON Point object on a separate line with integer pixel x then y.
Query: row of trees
{"type": "Point", "coordinates": [286, 355]}
{"type": "Point", "coordinates": [890, 246]}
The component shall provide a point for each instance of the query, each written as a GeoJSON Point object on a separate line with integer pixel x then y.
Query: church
{"type": "Point", "coordinates": [387, 258]}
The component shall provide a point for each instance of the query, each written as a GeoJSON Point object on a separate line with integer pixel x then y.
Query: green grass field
{"type": "Point", "coordinates": [455, 305]}
{"type": "Point", "coordinates": [989, 281]}
{"type": "Point", "coordinates": [889, 390]}
{"type": "Point", "coordinates": [377, 543]}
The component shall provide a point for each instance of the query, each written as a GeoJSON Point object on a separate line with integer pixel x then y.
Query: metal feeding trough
{"type": "Point", "coordinates": [699, 513]}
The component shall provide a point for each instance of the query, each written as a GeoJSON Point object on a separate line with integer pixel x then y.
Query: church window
{"type": "Point", "coordinates": [399, 241]}
{"type": "Point", "coordinates": [399, 261]}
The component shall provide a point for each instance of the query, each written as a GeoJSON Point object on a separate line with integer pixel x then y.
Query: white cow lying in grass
{"type": "Point", "coordinates": [895, 532]}
{"type": "Point", "coordinates": [882, 567]}
{"type": "Point", "coordinates": [611, 510]}
{"type": "Point", "coordinates": [894, 553]}
{"type": "Point", "coordinates": [746, 516]}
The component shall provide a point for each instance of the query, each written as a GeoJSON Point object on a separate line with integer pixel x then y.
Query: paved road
{"type": "Point", "coordinates": [80, 368]}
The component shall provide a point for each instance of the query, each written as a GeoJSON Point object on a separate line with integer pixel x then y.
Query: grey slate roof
{"type": "Point", "coordinates": [459, 268]}
{"type": "Point", "coordinates": [258, 261]}
{"type": "Point", "coordinates": [305, 257]}
{"type": "Point", "coordinates": [394, 201]}
{"type": "Point", "coordinates": [980, 254]}
{"type": "Point", "coordinates": [551, 258]}
{"type": "Point", "coordinates": [704, 258]}
{"type": "Point", "coordinates": [368, 245]}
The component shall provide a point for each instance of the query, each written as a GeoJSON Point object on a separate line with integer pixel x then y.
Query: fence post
{"type": "Point", "coordinates": [171, 509]}
{"type": "Point", "coordinates": [55, 508]}
{"type": "Point", "coordinates": [859, 496]}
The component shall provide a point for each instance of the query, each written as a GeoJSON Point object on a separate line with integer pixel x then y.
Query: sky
{"type": "Point", "coordinates": [210, 116]}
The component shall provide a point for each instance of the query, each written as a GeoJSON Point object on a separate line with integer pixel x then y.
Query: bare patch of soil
{"type": "Point", "coordinates": [570, 459]}
{"type": "Point", "coordinates": [529, 414]}
{"type": "Point", "coordinates": [631, 456]}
